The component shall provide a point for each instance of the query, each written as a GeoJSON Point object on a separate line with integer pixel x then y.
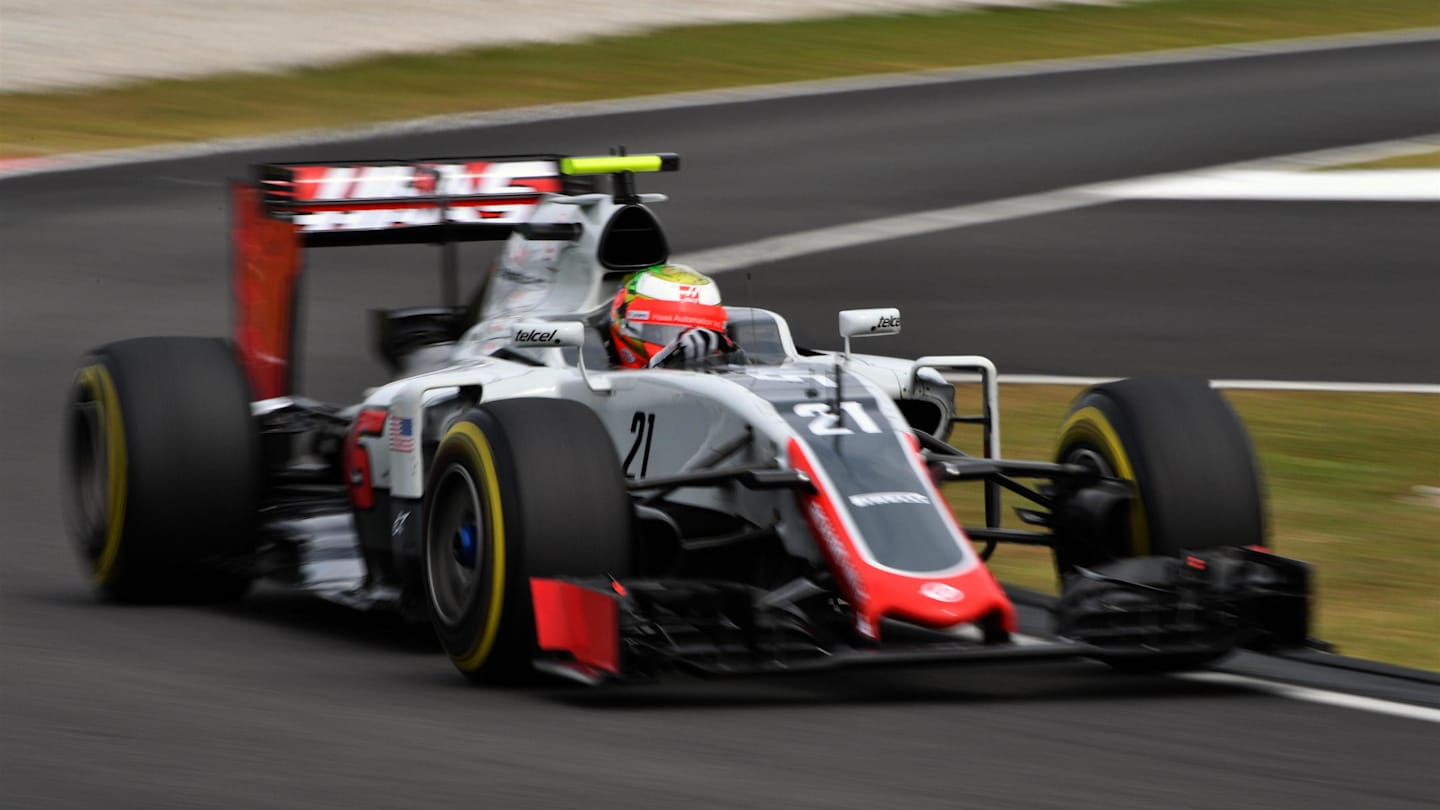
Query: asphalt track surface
{"type": "Point", "coordinates": [282, 701]}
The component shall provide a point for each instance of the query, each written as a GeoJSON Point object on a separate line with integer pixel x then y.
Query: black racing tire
{"type": "Point", "coordinates": [1194, 471]}
{"type": "Point", "coordinates": [1190, 459]}
{"type": "Point", "coordinates": [162, 473]}
{"type": "Point", "coordinates": [518, 489]}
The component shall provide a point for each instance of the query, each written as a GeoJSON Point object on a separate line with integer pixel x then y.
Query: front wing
{"type": "Point", "coordinates": [598, 630]}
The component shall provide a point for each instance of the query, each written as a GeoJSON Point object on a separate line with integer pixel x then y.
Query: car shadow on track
{"type": "Point", "coordinates": [310, 614]}
{"type": "Point", "coordinates": [1051, 681]}
{"type": "Point", "coordinates": [281, 609]}
{"type": "Point", "coordinates": [1028, 683]}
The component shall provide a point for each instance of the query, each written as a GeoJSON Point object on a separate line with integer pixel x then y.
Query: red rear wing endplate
{"type": "Point", "coordinates": [290, 206]}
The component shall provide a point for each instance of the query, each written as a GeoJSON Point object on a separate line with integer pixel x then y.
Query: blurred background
{"type": "Point", "coordinates": [1258, 208]}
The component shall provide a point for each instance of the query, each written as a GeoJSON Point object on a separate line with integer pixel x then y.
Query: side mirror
{"type": "Point", "coordinates": [548, 334]}
{"type": "Point", "coordinates": [868, 323]}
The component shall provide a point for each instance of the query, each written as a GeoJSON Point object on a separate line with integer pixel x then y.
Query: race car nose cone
{"type": "Point", "coordinates": [941, 592]}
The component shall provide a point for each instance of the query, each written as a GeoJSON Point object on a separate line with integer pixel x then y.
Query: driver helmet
{"type": "Point", "coordinates": [654, 306]}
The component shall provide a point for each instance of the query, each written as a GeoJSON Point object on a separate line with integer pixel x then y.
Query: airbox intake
{"type": "Point", "coordinates": [633, 240]}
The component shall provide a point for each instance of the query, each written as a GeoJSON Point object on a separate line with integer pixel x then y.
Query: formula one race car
{"type": "Point", "coordinates": [775, 509]}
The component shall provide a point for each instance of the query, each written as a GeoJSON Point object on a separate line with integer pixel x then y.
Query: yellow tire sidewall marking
{"type": "Point", "coordinates": [1090, 424]}
{"type": "Point", "coordinates": [470, 436]}
{"type": "Point", "coordinates": [101, 386]}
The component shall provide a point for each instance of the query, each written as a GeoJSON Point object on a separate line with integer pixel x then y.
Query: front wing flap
{"type": "Point", "coordinates": [1221, 598]}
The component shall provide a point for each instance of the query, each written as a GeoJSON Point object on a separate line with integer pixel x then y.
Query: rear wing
{"type": "Point", "coordinates": [286, 207]}
{"type": "Point", "coordinates": [430, 201]}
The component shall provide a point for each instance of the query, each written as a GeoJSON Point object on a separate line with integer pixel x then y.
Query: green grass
{"type": "Point", "coordinates": [1340, 470]}
{"type": "Point", "coordinates": [1419, 160]}
{"type": "Point", "coordinates": [402, 87]}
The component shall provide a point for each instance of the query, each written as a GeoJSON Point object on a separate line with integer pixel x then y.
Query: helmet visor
{"type": "Point", "coordinates": [656, 334]}
{"type": "Point", "coordinates": [659, 322]}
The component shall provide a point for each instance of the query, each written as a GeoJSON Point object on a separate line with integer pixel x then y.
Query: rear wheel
{"type": "Point", "coordinates": [162, 473]}
{"type": "Point", "coordinates": [1191, 463]}
{"type": "Point", "coordinates": [518, 489]}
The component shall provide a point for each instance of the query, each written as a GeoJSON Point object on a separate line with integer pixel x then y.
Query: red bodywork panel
{"type": "Point", "coordinates": [370, 422]}
{"type": "Point", "coordinates": [581, 621]}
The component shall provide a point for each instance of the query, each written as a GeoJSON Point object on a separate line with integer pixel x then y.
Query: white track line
{"type": "Point", "coordinates": [1339, 387]}
{"type": "Point", "coordinates": [1382, 185]}
{"type": "Point", "coordinates": [553, 112]}
{"type": "Point", "coordinates": [1341, 155]}
{"type": "Point", "coordinates": [1290, 691]}
{"type": "Point", "coordinates": [854, 234]}
{"type": "Point", "coordinates": [1321, 696]}
{"type": "Point", "coordinates": [1236, 385]}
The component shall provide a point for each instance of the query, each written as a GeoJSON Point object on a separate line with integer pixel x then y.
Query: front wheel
{"type": "Point", "coordinates": [1196, 485]}
{"type": "Point", "coordinates": [518, 489]}
{"type": "Point", "coordinates": [1179, 442]}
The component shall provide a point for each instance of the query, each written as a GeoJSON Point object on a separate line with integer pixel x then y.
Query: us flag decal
{"type": "Point", "coordinates": [402, 435]}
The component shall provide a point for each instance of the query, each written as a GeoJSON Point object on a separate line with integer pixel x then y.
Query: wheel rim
{"type": "Point", "coordinates": [1091, 459]}
{"type": "Point", "coordinates": [454, 541]}
{"type": "Point", "coordinates": [89, 465]}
